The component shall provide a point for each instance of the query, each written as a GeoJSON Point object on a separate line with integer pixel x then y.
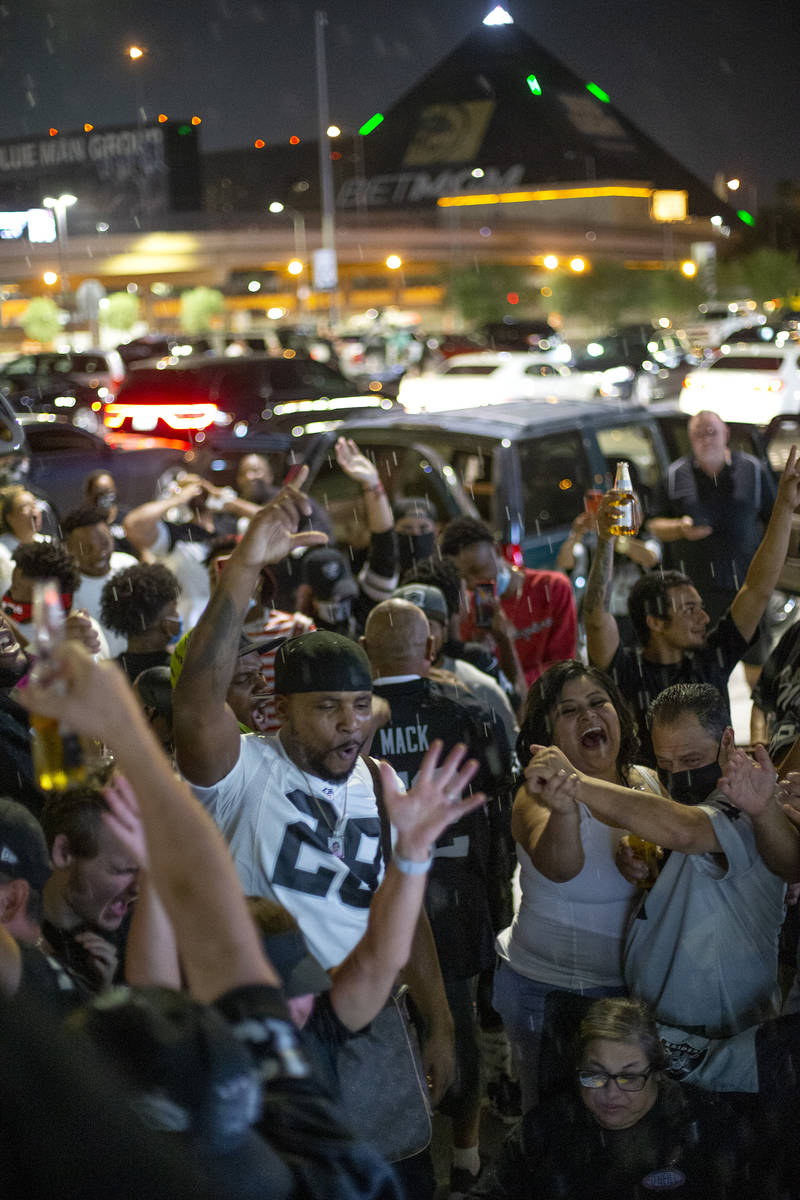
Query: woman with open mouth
{"type": "Point", "coordinates": [567, 934]}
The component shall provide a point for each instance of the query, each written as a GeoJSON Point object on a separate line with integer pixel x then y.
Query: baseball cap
{"type": "Point", "coordinates": [327, 572]}
{"type": "Point", "coordinates": [321, 661]}
{"type": "Point", "coordinates": [23, 850]}
{"type": "Point", "coordinates": [427, 597]}
{"type": "Point", "coordinates": [246, 646]}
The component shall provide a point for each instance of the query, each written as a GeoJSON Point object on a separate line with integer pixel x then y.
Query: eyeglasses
{"type": "Point", "coordinates": [632, 1081]}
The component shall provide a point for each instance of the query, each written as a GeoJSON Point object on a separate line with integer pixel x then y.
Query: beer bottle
{"type": "Point", "coordinates": [58, 760]}
{"type": "Point", "coordinates": [630, 518]}
{"type": "Point", "coordinates": [651, 854]}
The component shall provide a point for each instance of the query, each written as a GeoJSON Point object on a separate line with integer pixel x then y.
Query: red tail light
{"type": "Point", "coordinates": [144, 418]}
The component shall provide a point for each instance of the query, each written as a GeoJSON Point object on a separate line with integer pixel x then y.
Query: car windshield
{"type": "Point", "coordinates": [766, 362]}
{"type": "Point", "coordinates": [473, 369]}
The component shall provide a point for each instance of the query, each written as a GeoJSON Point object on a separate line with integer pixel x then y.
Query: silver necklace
{"type": "Point", "coordinates": [336, 834]}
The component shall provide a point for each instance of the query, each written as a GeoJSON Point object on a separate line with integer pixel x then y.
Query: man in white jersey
{"type": "Point", "coordinates": [298, 810]}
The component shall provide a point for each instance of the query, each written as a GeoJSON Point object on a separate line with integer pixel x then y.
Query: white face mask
{"type": "Point", "coordinates": [503, 578]}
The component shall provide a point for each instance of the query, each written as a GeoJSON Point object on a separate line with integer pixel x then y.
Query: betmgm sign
{"type": "Point", "coordinates": [117, 174]}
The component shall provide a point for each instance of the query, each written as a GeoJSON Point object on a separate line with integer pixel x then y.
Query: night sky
{"type": "Point", "coordinates": [715, 83]}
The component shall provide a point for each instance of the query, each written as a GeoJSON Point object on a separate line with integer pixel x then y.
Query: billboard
{"type": "Point", "coordinates": [115, 173]}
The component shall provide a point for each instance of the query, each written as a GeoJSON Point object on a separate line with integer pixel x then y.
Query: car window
{"type": "Point", "coordinates": [755, 362]}
{"type": "Point", "coordinates": [541, 370]}
{"type": "Point", "coordinates": [20, 368]}
{"type": "Point", "coordinates": [46, 438]}
{"type": "Point", "coordinates": [555, 474]}
{"type": "Point", "coordinates": [634, 445]}
{"type": "Point", "coordinates": [474, 369]}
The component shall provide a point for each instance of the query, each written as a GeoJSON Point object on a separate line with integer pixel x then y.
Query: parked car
{"type": "Point", "coordinates": [75, 385]}
{"type": "Point", "coordinates": [716, 320]}
{"type": "Point", "coordinates": [521, 335]}
{"type": "Point", "coordinates": [157, 345]}
{"type": "Point", "coordinates": [252, 392]}
{"type": "Point", "coordinates": [523, 467]}
{"type": "Point", "coordinates": [492, 378]}
{"type": "Point", "coordinates": [639, 363]}
{"type": "Point", "coordinates": [54, 457]}
{"type": "Point", "coordinates": [746, 382]}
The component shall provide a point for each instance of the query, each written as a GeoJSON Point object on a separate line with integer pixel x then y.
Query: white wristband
{"type": "Point", "coordinates": [410, 866]}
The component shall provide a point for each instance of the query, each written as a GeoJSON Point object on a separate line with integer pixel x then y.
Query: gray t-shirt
{"type": "Point", "coordinates": [702, 947]}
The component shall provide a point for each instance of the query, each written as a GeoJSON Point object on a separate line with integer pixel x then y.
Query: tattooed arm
{"type": "Point", "coordinates": [602, 634]}
{"type": "Point", "coordinates": [206, 731]}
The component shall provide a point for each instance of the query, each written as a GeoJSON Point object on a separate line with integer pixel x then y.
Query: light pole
{"type": "Point", "coordinates": [135, 54]}
{"type": "Point", "coordinates": [299, 222]}
{"type": "Point", "coordinates": [59, 206]}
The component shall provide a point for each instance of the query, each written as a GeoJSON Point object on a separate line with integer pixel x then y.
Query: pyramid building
{"type": "Point", "coordinates": [500, 120]}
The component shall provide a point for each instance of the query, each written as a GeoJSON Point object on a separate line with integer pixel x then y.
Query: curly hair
{"type": "Point", "coordinates": [132, 599]}
{"type": "Point", "coordinates": [440, 573]}
{"type": "Point", "coordinates": [544, 695]}
{"type": "Point", "coordinates": [48, 560]}
{"type": "Point", "coordinates": [462, 533]}
{"type": "Point", "coordinates": [80, 518]}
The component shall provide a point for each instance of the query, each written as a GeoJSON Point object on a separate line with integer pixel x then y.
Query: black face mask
{"type": "Point", "coordinates": [691, 787]}
{"type": "Point", "coordinates": [412, 547]}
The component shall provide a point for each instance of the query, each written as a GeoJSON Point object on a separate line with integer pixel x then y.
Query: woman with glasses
{"type": "Point", "coordinates": [567, 935]}
{"type": "Point", "coordinates": [620, 1129]}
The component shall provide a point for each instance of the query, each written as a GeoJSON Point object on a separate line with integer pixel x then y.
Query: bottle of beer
{"type": "Point", "coordinates": [58, 760]}
{"type": "Point", "coordinates": [651, 855]}
{"type": "Point", "coordinates": [630, 518]}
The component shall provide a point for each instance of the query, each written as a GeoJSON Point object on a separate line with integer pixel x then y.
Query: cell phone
{"type": "Point", "coordinates": [484, 604]}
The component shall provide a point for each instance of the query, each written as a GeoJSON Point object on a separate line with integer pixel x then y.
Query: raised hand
{"type": "Point", "coordinates": [749, 783]}
{"type": "Point", "coordinates": [789, 483]}
{"type": "Point", "coordinates": [78, 628]}
{"type": "Point", "coordinates": [91, 698]}
{"type": "Point", "coordinates": [124, 820]}
{"type": "Point", "coordinates": [434, 801]}
{"type": "Point", "coordinates": [273, 532]}
{"type": "Point", "coordinates": [355, 464]}
{"type": "Point", "coordinates": [551, 779]}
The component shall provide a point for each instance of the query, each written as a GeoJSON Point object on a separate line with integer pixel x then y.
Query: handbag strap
{"type": "Point", "coordinates": [377, 783]}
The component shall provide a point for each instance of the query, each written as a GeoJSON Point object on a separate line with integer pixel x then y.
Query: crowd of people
{"type": "Point", "coordinates": [358, 838]}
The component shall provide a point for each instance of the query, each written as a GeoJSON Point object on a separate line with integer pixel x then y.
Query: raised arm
{"type": "Point", "coordinates": [206, 731]}
{"type": "Point", "coordinates": [189, 862]}
{"type": "Point", "coordinates": [549, 834]}
{"type": "Point", "coordinates": [674, 826]}
{"type": "Point", "coordinates": [359, 468]}
{"type": "Point", "coordinates": [762, 576]}
{"type": "Point", "coordinates": [141, 523]}
{"type": "Point", "coordinates": [602, 634]}
{"type": "Point", "coordinates": [751, 784]}
{"type": "Point", "coordinates": [362, 983]}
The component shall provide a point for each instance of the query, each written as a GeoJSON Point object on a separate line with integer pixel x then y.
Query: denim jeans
{"type": "Point", "coordinates": [520, 1002]}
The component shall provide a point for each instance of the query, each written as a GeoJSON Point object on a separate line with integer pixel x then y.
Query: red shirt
{"type": "Point", "coordinates": [545, 619]}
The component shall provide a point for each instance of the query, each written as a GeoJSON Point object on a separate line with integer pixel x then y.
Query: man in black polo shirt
{"type": "Point", "coordinates": [668, 615]}
{"type": "Point", "coordinates": [398, 643]}
{"type": "Point", "coordinates": [715, 507]}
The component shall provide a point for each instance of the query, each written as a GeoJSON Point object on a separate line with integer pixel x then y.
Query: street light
{"type": "Point", "coordinates": [295, 267]}
{"type": "Point", "coordinates": [394, 262]}
{"type": "Point", "coordinates": [135, 54]}
{"type": "Point", "coordinates": [299, 222]}
{"type": "Point", "coordinates": [59, 206]}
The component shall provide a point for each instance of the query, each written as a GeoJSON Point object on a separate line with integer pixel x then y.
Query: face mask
{"type": "Point", "coordinates": [176, 625]}
{"type": "Point", "coordinates": [21, 611]}
{"type": "Point", "coordinates": [334, 612]}
{"type": "Point", "coordinates": [412, 547]}
{"type": "Point", "coordinates": [106, 501]}
{"type": "Point", "coordinates": [503, 578]}
{"type": "Point", "coordinates": [691, 787]}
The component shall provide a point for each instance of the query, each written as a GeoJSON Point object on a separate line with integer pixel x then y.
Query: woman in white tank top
{"type": "Point", "coordinates": [568, 933]}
